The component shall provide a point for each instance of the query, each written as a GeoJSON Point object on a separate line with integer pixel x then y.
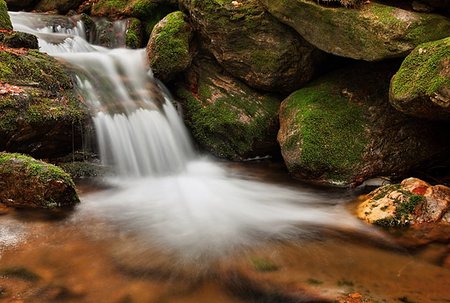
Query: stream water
{"type": "Point", "coordinates": [173, 226]}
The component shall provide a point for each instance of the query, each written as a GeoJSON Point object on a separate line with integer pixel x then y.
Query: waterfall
{"type": "Point", "coordinates": [168, 197]}
{"type": "Point", "coordinates": [138, 130]}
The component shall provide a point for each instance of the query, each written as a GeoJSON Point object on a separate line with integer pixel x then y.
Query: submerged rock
{"type": "Point", "coordinates": [29, 183]}
{"type": "Point", "coordinates": [40, 113]}
{"type": "Point", "coordinates": [373, 32]}
{"type": "Point", "coordinates": [413, 201]}
{"type": "Point", "coordinates": [252, 45]}
{"type": "Point", "coordinates": [168, 49]}
{"type": "Point", "coordinates": [421, 87]}
{"type": "Point", "coordinates": [5, 21]}
{"type": "Point", "coordinates": [226, 117]}
{"type": "Point", "coordinates": [342, 130]}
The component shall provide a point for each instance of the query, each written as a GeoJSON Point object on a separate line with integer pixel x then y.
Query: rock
{"type": "Point", "coordinates": [226, 117]}
{"type": "Point", "coordinates": [20, 4]}
{"type": "Point", "coordinates": [342, 130]}
{"type": "Point", "coordinates": [134, 33]}
{"type": "Point", "coordinates": [439, 4]}
{"type": "Point", "coordinates": [18, 39]}
{"type": "Point", "coordinates": [413, 201]}
{"type": "Point", "coordinates": [168, 49]}
{"type": "Point", "coordinates": [61, 6]}
{"type": "Point", "coordinates": [5, 21]}
{"type": "Point", "coordinates": [373, 32]}
{"type": "Point", "coordinates": [252, 45]}
{"type": "Point", "coordinates": [40, 113]}
{"type": "Point", "coordinates": [29, 183]}
{"type": "Point", "coordinates": [421, 87]}
{"type": "Point", "coordinates": [419, 6]}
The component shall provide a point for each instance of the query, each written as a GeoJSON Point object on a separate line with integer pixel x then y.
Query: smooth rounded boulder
{"type": "Point", "coordinates": [29, 183]}
{"type": "Point", "coordinates": [421, 87]}
{"type": "Point", "coordinates": [341, 129]}
{"type": "Point", "coordinates": [169, 51]}
{"type": "Point", "coordinates": [252, 45]}
{"type": "Point", "coordinates": [371, 32]}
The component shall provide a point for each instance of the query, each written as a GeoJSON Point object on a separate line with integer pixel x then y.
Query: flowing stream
{"type": "Point", "coordinates": [164, 201]}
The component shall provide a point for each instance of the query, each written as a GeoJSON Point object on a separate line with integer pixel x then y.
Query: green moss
{"type": "Point", "coordinates": [5, 21]}
{"type": "Point", "coordinates": [312, 281]}
{"type": "Point", "coordinates": [226, 122]}
{"type": "Point", "coordinates": [133, 36]}
{"type": "Point", "coordinates": [404, 211]}
{"type": "Point", "coordinates": [19, 273]}
{"type": "Point", "coordinates": [331, 131]}
{"type": "Point", "coordinates": [421, 73]}
{"type": "Point", "coordinates": [80, 170]}
{"type": "Point", "coordinates": [34, 168]}
{"type": "Point", "coordinates": [264, 265]}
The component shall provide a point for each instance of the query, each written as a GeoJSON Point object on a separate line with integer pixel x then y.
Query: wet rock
{"type": "Point", "coordinates": [421, 87]}
{"type": "Point", "coordinates": [413, 201]}
{"type": "Point", "coordinates": [18, 40]}
{"type": "Point", "coordinates": [29, 183]}
{"type": "Point", "coordinates": [373, 32]}
{"type": "Point", "coordinates": [5, 21]}
{"type": "Point", "coordinates": [226, 117]}
{"type": "Point", "coordinates": [342, 130]}
{"type": "Point", "coordinates": [40, 113]}
{"type": "Point", "coordinates": [134, 33]}
{"type": "Point", "coordinates": [61, 6]}
{"type": "Point", "coordinates": [168, 50]}
{"type": "Point", "coordinates": [19, 272]}
{"type": "Point", "coordinates": [419, 6]}
{"type": "Point", "coordinates": [252, 45]}
{"type": "Point", "coordinates": [439, 4]}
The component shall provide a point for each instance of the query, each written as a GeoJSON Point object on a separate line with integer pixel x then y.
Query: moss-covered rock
{"type": "Point", "coordinates": [342, 130]}
{"type": "Point", "coordinates": [40, 113]}
{"type": "Point", "coordinates": [226, 117]}
{"type": "Point", "coordinates": [168, 49]}
{"type": "Point", "coordinates": [61, 6]}
{"type": "Point", "coordinates": [18, 39]}
{"type": "Point", "coordinates": [421, 87]}
{"type": "Point", "coordinates": [29, 183]}
{"type": "Point", "coordinates": [142, 9]}
{"type": "Point", "coordinates": [5, 21]}
{"type": "Point", "coordinates": [373, 32]}
{"type": "Point", "coordinates": [413, 201]}
{"type": "Point", "coordinates": [134, 33]}
{"type": "Point", "coordinates": [252, 45]}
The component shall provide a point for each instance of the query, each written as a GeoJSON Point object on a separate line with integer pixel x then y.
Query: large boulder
{"type": "Point", "coordinates": [413, 201]}
{"type": "Point", "coordinates": [18, 39]}
{"type": "Point", "coordinates": [29, 183]}
{"type": "Point", "coordinates": [40, 113]}
{"type": "Point", "coordinates": [252, 45]}
{"type": "Point", "coordinates": [168, 49]}
{"type": "Point", "coordinates": [61, 6]}
{"type": "Point", "coordinates": [226, 117]}
{"type": "Point", "coordinates": [342, 130]}
{"type": "Point", "coordinates": [373, 32]}
{"type": "Point", "coordinates": [421, 87]}
{"type": "Point", "coordinates": [5, 21]}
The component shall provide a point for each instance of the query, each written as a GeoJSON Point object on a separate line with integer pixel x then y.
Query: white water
{"type": "Point", "coordinates": [168, 196]}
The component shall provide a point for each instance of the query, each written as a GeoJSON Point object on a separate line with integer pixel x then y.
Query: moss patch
{"type": "Point", "coordinates": [133, 36]}
{"type": "Point", "coordinates": [5, 21]}
{"type": "Point", "coordinates": [328, 132]}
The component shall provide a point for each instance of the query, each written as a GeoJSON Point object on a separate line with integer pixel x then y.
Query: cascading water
{"type": "Point", "coordinates": [171, 198]}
